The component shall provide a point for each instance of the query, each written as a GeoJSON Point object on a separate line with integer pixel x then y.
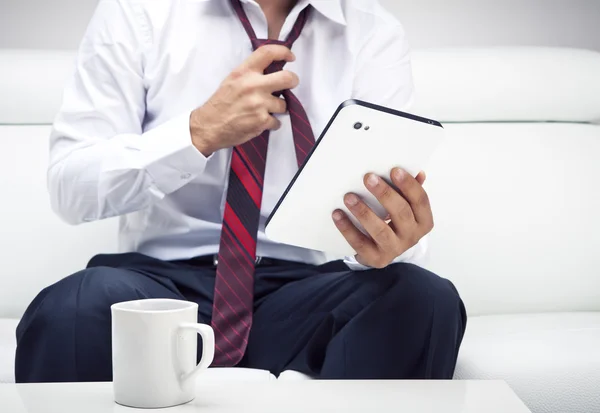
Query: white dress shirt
{"type": "Point", "coordinates": [121, 143]}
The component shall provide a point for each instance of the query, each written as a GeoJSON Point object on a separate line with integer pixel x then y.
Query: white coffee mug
{"type": "Point", "coordinates": [154, 352]}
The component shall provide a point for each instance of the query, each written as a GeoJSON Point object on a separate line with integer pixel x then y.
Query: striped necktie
{"type": "Point", "coordinates": [234, 285]}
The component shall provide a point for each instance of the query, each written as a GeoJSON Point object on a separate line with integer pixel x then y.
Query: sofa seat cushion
{"type": "Point", "coordinates": [8, 346]}
{"type": "Point", "coordinates": [552, 361]}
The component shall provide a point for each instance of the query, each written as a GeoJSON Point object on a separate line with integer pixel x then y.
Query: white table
{"type": "Point", "coordinates": [280, 397]}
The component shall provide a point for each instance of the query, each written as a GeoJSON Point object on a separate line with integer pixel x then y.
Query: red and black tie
{"type": "Point", "coordinates": [234, 285]}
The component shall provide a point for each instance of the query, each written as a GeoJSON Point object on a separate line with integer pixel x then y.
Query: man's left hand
{"type": "Point", "coordinates": [410, 218]}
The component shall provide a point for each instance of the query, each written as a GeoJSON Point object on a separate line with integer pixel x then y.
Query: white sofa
{"type": "Point", "coordinates": [515, 188]}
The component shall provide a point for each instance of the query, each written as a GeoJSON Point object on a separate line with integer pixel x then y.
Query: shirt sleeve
{"type": "Point", "coordinates": [102, 163]}
{"type": "Point", "coordinates": [383, 76]}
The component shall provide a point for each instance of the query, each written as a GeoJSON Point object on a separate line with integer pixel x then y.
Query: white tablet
{"type": "Point", "coordinates": [360, 138]}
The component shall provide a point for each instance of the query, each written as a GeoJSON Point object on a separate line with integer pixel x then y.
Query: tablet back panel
{"type": "Point", "coordinates": [337, 166]}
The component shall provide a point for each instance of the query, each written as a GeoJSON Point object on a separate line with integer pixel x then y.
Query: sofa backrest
{"type": "Point", "coordinates": [514, 186]}
{"type": "Point", "coordinates": [36, 247]}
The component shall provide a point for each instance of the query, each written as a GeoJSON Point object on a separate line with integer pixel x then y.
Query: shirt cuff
{"type": "Point", "coordinates": [169, 155]}
{"type": "Point", "coordinates": [414, 255]}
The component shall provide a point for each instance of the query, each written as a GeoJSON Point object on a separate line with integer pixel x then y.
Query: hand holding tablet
{"type": "Point", "coordinates": [362, 144]}
{"type": "Point", "coordinates": [410, 218]}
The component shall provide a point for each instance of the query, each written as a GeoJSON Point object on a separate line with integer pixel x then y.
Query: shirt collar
{"type": "Point", "coordinates": [332, 9]}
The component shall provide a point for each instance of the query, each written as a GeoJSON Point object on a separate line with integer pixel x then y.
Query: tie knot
{"type": "Point", "coordinates": [256, 43]}
{"type": "Point", "coordinates": [275, 66]}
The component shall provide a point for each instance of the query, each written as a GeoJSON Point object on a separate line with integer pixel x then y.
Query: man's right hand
{"type": "Point", "coordinates": [244, 106]}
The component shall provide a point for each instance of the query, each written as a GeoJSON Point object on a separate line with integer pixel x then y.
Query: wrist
{"type": "Point", "coordinates": [199, 131]}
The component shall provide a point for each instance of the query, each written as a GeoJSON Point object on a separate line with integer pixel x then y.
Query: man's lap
{"type": "Point", "coordinates": [281, 291]}
{"type": "Point", "coordinates": [345, 312]}
{"type": "Point", "coordinates": [300, 310]}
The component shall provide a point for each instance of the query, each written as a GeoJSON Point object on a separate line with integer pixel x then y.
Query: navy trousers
{"type": "Point", "coordinates": [402, 322]}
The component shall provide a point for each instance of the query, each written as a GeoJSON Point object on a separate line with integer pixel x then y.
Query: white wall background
{"type": "Point", "coordinates": [429, 23]}
{"type": "Point", "coordinates": [434, 23]}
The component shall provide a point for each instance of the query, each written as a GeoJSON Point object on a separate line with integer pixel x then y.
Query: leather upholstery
{"type": "Point", "coordinates": [520, 84]}
{"type": "Point", "coordinates": [516, 212]}
{"type": "Point", "coordinates": [499, 84]}
{"type": "Point", "coordinates": [30, 227]}
{"type": "Point", "coordinates": [32, 84]}
{"type": "Point", "coordinates": [7, 349]}
{"type": "Point", "coordinates": [552, 361]}
{"type": "Point", "coordinates": [517, 226]}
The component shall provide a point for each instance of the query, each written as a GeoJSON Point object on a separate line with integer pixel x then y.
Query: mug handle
{"type": "Point", "coordinates": [208, 348]}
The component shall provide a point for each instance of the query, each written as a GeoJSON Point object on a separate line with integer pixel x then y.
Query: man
{"type": "Point", "coordinates": [184, 120]}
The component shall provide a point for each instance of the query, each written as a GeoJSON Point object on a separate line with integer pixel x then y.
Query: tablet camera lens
{"type": "Point", "coordinates": [358, 125]}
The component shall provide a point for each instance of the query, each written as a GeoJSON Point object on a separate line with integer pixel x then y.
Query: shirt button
{"type": "Point", "coordinates": [186, 176]}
